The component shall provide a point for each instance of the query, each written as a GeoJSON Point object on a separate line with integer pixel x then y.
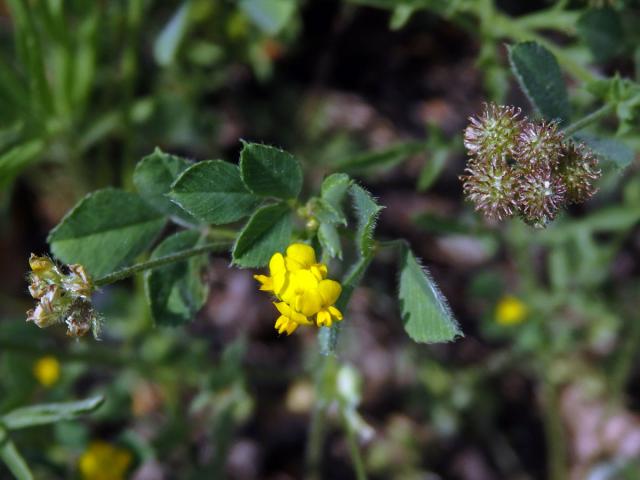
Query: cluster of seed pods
{"type": "Point", "coordinates": [520, 167]}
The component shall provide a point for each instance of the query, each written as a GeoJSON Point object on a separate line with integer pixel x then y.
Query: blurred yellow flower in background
{"type": "Point", "coordinates": [47, 370]}
{"type": "Point", "coordinates": [103, 461]}
{"type": "Point", "coordinates": [510, 311]}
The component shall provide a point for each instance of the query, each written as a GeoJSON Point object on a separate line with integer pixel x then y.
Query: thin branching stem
{"type": "Point", "coordinates": [589, 119]}
{"type": "Point", "coordinates": [159, 262]}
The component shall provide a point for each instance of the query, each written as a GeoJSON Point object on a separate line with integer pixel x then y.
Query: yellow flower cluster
{"type": "Point", "coordinates": [302, 289]}
{"type": "Point", "coordinates": [103, 461]}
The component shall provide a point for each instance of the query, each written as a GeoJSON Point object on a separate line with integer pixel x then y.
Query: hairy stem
{"type": "Point", "coordinates": [159, 262]}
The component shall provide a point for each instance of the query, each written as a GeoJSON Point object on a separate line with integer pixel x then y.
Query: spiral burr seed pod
{"type": "Point", "coordinates": [490, 186]}
{"type": "Point", "coordinates": [579, 171]}
{"type": "Point", "coordinates": [540, 144]}
{"type": "Point", "coordinates": [540, 195]}
{"type": "Point", "coordinates": [493, 135]}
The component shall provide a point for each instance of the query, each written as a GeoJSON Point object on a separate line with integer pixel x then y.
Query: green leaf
{"type": "Point", "coordinates": [325, 213]}
{"type": "Point", "coordinates": [387, 157]}
{"type": "Point", "coordinates": [333, 190]}
{"type": "Point", "coordinates": [166, 45]}
{"type": "Point", "coordinates": [267, 231]}
{"type": "Point", "coordinates": [425, 312]}
{"type": "Point", "coordinates": [12, 458]}
{"type": "Point", "coordinates": [540, 78]}
{"type": "Point", "coordinates": [153, 177]}
{"type": "Point", "coordinates": [330, 240]}
{"type": "Point", "coordinates": [601, 29]}
{"type": "Point", "coordinates": [432, 169]}
{"type": "Point", "coordinates": [269, 15]}
{"type": "Point", "coordinates": [213, 192]}
{"type": "Point", "coordinates": [15, 160]}
{"type": "Point", "coordinates": [176, 292]}
{"type": "Point", "coordinates": [49, 413]}
{"type": "Point", "coordinates": [367, 211]}
{"type": "Point", "coordinates": [613, 152]}
{"type": "Point", "coordinates": [269, 171]}
{"type": "Point", "coordinates": [105, 230]}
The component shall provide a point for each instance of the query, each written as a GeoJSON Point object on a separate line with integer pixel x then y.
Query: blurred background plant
{"type": "Point", "coordinates": [545, 383]}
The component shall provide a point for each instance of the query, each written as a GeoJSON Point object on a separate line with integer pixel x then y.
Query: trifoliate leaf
{"type": "Point", "coordinates": [425, 312]}
{"type": "Point", "coordinates": [176, 291]}
{"type": "Point", "coordinates": [330, 240]}
{"type": "Point", "coordinates": [213, 192]}
{"type": "Point", "coordinates": [540, 78]}
{"type": "Point", "coordinates": [105, 230]}
{"type": "Point", "coordinates": [267, 231]}
{"type": "Point", "coordinates": [367, 211]}
{"type": "Point", "coordinates": [153, 177]}
{"type": "Point", "coordinates": [269, 171]}
{"type": "Point", "coordinates": [333, 190]}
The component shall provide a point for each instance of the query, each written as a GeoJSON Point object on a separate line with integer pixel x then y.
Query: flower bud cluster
{"type": "Point", "coordinates": [525, 168]}
{"type": "Point", "coordinates": [62, 297]}
{"type": "Point", "coordinates": [303, 291]}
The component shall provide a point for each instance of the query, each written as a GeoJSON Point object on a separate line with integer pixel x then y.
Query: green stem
{"type": "Point", "coordinates": [554, 432]}
{"type": "Point", "coordinates": [159, 262]}
{"type": "Point", "coordinates": [318, 417]}
{"type": "Point", "coordinates": [328, 337]}
{"type": "Point", "coordinates": [624, 361]}
{"type": "Point", "coordinates": [354, 450]}
{"type": "Point", "coordinates": [217, 233]}
{"type": "Point", "coordinates": [589, 119]}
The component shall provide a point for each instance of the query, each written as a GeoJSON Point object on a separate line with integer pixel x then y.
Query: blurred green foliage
{"type": "Point", "coordinates": [88, 88]}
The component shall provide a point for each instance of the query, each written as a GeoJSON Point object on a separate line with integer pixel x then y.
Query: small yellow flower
{"type": "Point", "coordinates": [330, 291]}
{"type": "Point", "coordinates": [299, 282]}
{"type": "Point", "coordinates": [47, 371]}
{"type": "Point", "coordinates": [511, 311]}
{"type": "Point", "coordinates": [103, 461]}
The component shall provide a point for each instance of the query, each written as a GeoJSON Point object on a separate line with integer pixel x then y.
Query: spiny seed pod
{"type": "Point", "coordinates": [539, 196]}
{"type": "Point", "coordinates": [81, 318]}
{"type": "Point", "coordinates": [539, 144]}
{"type": "Point", "coordinates": [579, 170]}
{"type": "Point", "coordinates": [490, 187]}
{"type": "Point", "coordinates": [493, 135]}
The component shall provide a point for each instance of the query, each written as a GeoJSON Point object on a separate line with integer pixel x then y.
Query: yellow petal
{"type": "Point", "coordinates": [277, 264]}
{"type": "Point", "coordinates": [308, 303]}
{"type": "Point", "coordinates": [299, 318]}
{"type": "Point", "coordinates": [279, 282]}
{"type": "Point", "coordinates": [283, 308]}
{"type": "Point", "coordinates": [329, 291]}
{"type": "Point", "coordinates": [291, 327]}
{"type": "Point", "coordinates": [303, 280]}
{"type": "Point", "coordinates": [281, 323]}
{"type": "Point", "coordinates": [300, 256]}
{"type": "Point", "coordinates": [323, 319]}
{"type": "Point", "coordinates": [266, 282]}
{"type": "Point", "coordinates": [337, 314]}
{"type": "Point", "coordinates": [319, 270]}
